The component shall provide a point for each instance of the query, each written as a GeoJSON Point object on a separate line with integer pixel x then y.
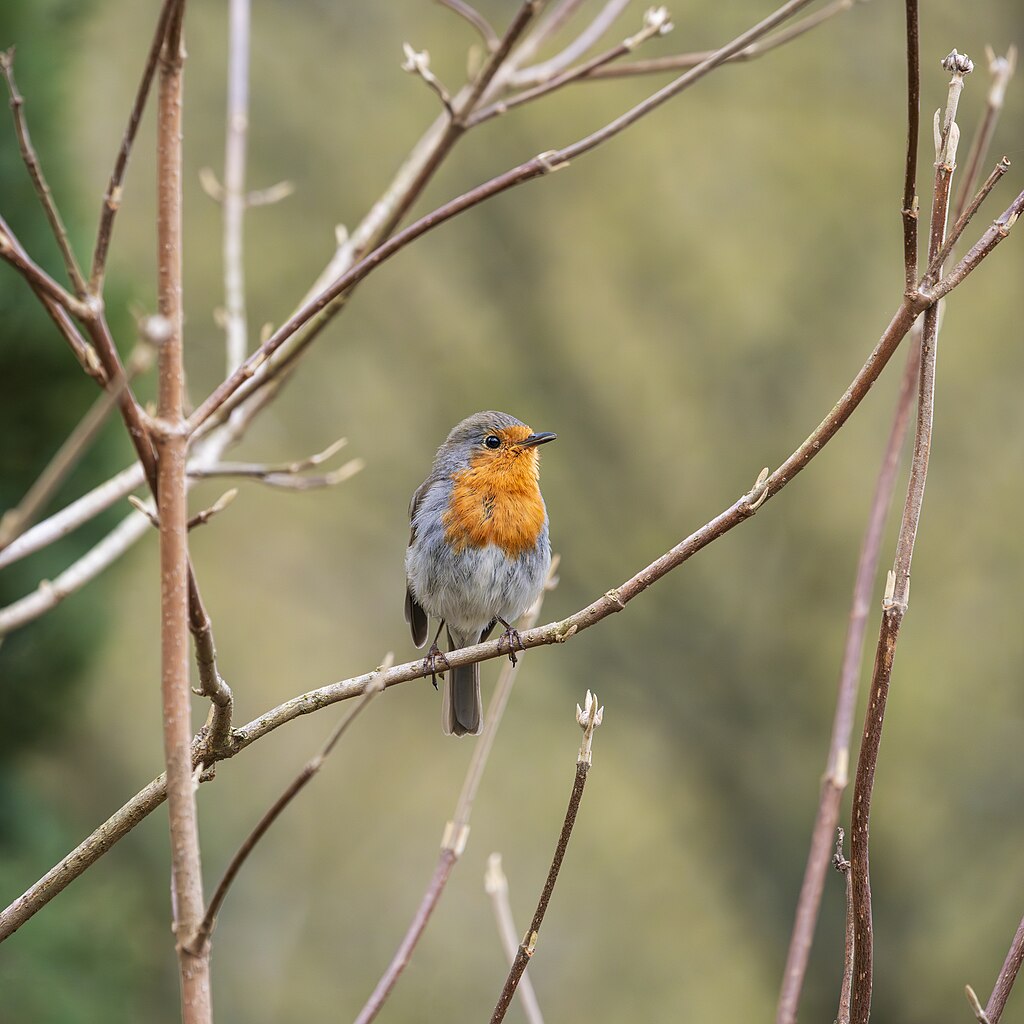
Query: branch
{"type": "Point", "coordinates": [456, 832]}
{"type": "Point", "coordinates": [540, 165]}
{"type": "Point", "coordinates": [682, 61]}
{"type": "Point", "coordinates": [1007, 976]}
{"type": "Point", "coordinates": [1000, 71]}
{"type": "Point", "coordinates": [496, 886]}
{"type": "Point", "coordinates": [910, 201]}
{"type": "Point", "coordinates": [897, 595]}
{"type": "Point", "coordinates": [171, 495]}
{"type": "Point", "coordinates": [35, 171]}
{"type": "Point", "coordinates": [766, 487]}
{"type": "Point", "coordinates": [589, 718]}
{"type": "Point", "coordinates": [112, 196]}
{"type": "Point", "coordinates": [836, 775]}
{"type": "Point", "coordinates": [842, 865]}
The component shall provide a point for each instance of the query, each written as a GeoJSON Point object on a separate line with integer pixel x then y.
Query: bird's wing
{"type": "Point", "coordinates": [414, 612]}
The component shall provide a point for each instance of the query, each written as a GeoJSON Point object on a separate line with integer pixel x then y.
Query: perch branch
{"type": "Point", "coordinates": [1007, 976]}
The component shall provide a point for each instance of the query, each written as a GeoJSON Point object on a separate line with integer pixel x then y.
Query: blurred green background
{"type": "Point", "coordinates": [682, 306]}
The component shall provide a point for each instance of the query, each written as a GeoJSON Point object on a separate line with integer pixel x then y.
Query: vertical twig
{"type": "Point", "coordinates": [589, 718]}
{"type": "Point", "coordinates": [1007, 976]}
{"type": "Point", "coordinates": [910, 200]}
{"type": "Point", "coordinates": [234, 182]}
{"type": "Point", "coordinates": [842, 865]}
{"type": "Point", "coordinates": [456, 832]}
{"type": "Point", "coordinates": [897, 595]}
{"type": "Point", "coordinates": [837, 768]}
{"type": "Point", "coordinates": [171, 442]}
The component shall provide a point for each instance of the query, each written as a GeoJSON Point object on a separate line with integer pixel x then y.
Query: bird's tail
{"type": "Point", "coordinates": [461, 705]}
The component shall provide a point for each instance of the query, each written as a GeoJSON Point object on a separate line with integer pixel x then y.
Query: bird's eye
{"type": "Point", "coordinates": [492, 441]}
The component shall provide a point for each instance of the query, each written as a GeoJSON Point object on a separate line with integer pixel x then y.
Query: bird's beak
{"type": "Point", "coordinates": [535, 439]}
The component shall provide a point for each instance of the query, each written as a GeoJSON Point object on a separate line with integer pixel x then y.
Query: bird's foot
{"type": "Point", "coordinates": [512, 638]}
{"type": "Point", "coordinates": [435, 663]}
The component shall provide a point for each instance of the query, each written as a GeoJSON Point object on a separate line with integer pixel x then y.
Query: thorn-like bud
{"type": "Point", "coordinates": [417, 62]}
{"type": "Point", "coordinates": [958, 63]}
{"type": "Point", "coordinates": [589, 718]}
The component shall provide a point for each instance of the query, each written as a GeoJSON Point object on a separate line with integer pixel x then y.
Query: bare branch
{"type": "Point", "coordinates": [112, 196]}
{"type": "Point", "coordinates": [1000, 71]}
{"type": "Point", "coordinates": [897, 594]}
{"type": "Point", "coordinates": [540, 165]}
{"type": "Point", "coordinates": [417, 62]}
{"type": "Point", "coordinates": [836, 775]}
{"type": "Point", "coordinates": [910, 200]}
{"type": "Point", "coordinates": [35, 170]}
{"type": "Point", "coordinates": [496, 886]}
{"type": "Point", "coordinates": [682, 61]}
{"type": "Point", "coordinates": [842, 865]}
{"type": "Point", "coordinates": [1007, 976]}
{"type": "Point", "coordinates": [589, 718]}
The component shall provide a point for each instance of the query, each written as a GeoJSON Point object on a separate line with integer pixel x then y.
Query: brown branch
{"type": "Point", "coordinates": [910, 201]}
{"type": "Point", "coordinates": [35, 171]}
{"type": "Point", "coordinates": [1000, 70]}
{"type": "Point", "coordinates": [836, 775]}
{"type": "Point", "coordinates": [1007, 976]}
{"type": "Point", "coordinates": [655, 23]}
{"type": "Point", "coordinates": [12, 252]}
{"type": "Point", "coordinates": [535, 168]}
{"type": "Point", "coordinates": [589, 717]}
{"type": "Point", "coordinates": [172, 506]}
{"type": "Point", "coordinates": [112, 196]}
{"type": "Point", "coordinates": [682, 61]}
{"type": "Point", "coordinates": [842, 865]}
{"type": "Point", "coordinates": [200, 940]}
{"type": "Point", "coordinates": [897, 595]}
{"type": "Point", "coordinates": [556, 632]}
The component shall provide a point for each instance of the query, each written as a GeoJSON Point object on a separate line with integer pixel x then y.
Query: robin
{"type": "Point", "coordinates": [478, 552]}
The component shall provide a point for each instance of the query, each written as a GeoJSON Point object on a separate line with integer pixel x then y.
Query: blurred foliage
{"type": "Point", "coordinates": [682, 307]}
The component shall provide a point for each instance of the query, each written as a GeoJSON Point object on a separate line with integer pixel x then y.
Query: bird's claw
{"type": "Point", "coordinates": [512, 638]}
{"type": "Point", "coordinates": [430, 663]}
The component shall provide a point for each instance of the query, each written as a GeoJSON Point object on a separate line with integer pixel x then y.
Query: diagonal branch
{"type": "Point", "coordinates": [35, 170]}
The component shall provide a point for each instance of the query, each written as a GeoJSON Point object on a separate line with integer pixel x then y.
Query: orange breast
{"type": "Point", "coordinates": [496, 500]}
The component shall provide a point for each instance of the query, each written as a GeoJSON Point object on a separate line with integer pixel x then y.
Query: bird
{"type": "Point", "coordinates": [479, 550]}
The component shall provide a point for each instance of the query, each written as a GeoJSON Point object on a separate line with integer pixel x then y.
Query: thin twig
{"type": "Point", "coordinates": [1007, 976]}
{"type": "Point", "coordinates": [200, 940]}
{"type": "Point", "coordinates": [540, 165]}
{"type": "Point", "coordinates": [456, 832]}
{"type": "Point", "coordinates": [842, 865]}
{"type": "Point", "coordinates": [766, 487]}
{"type": "Point", "coordinates": [836, 775]}
{"type": "Point", "coordinates": [12, 252]}
{"type": "Point", "coordinates": [682, 61]}
{"type": "Point", "coordinates": [113, 193]}
{"type": "Point", "coordinates": [656, 22]}
{"type": "Point", "coordinates": [589, 718]}
{"type": "Point", "coordinates": [496, 886]}
{"type": "Point", "coordinates": [897, 595]}
{"type": "Point", "coordinates": [910, 201]}
{"type": "Point", "coordinates": [35, 170]}
{"type": "Point", "coordinates": [1000, 71]}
